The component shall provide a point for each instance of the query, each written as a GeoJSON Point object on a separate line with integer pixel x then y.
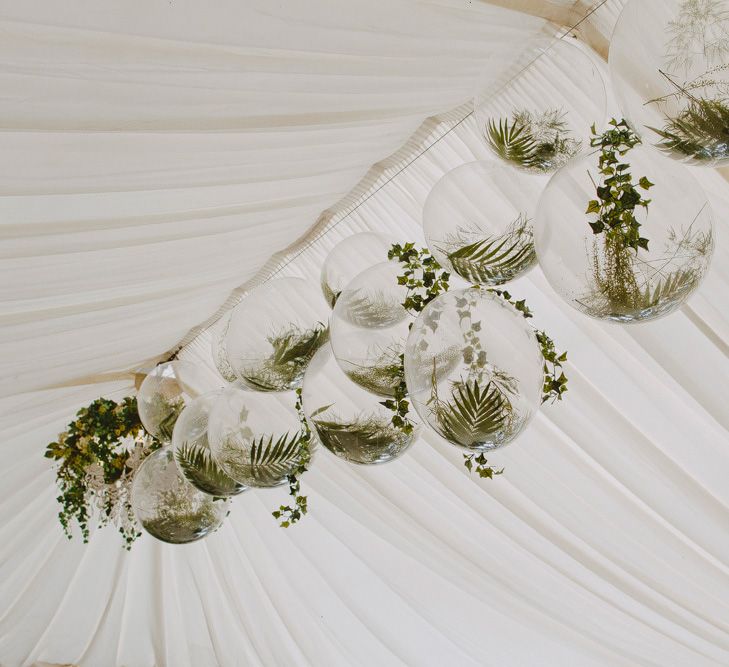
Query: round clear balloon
{"type": "Point", "coordinates": [478, 222]}
{"type": "Point", "coordinates": [669, 64]}
{"type": "Point", "coordinates": [218, 350]}
{"type": "Point", "coordinates": [168, 506]}
{"type": "Point", "coordinates": [369, 327]}
{"type": "Point", "coordinates": [165, 392]}
{"type": "Point", "coordinates": [255, 437]}
{"type": "Point", "coordinates": [601, 276]}
{"type": "Point", "coordinates": [527, 120]}
{"type": "Point", "coordinates": [473, 369]}
{"type": "Point", "coordinates": [274, 332]}
{"type": "Point", "coordinates": [192, 450]}
{"type": "Point", "coordinates": [348, 421]}
{"type": "Point", "coordinates": [349, 258]}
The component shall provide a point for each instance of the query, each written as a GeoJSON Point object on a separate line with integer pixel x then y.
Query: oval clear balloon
{"type": "Point", "coordinates": [192, 450]}
{"type": "Point", "coordinates": [165, 392]}
{"type": "Point", "coordinates": [274, 332]}
{"type": "Point", "coordinates": [598, 274]}
{"type": "Point", "coordinates": [349, 421]}
{"type": "Point", "coordinates": [255, 437]}
{"type": "Point", "coordinates": [369, 327]}
{"type": "Point", "coordinates": [669, 64]}
{"type": "Point", "coordinates": [170, 508]}
{"type": "Point", "coordinates": [478, 222]}
{"type": "Point", "coordinates": [473, 369]}
{"type": "Point", "coordinates": [527, 120]}
{"type": "Point", "coordinates": [349, 258]}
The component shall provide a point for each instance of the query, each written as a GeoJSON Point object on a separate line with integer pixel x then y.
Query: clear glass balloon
{"type": "Point", "coordinates": [165, 392]}
{"type": "Point", "coordinates": [605, 279]}
{"type": "Point", "coordinates": [255, 437]}
{"type": "Point", "coordinates": [669, 65]}
{"type": "Point", "coordinates": [170, 508]}
{"type": "Point", "coordinates": [192, 450]}
{"type": "Point", "coordinates": [349, 421]}
{"type": "Point", "coordinates": [473, 368]}
{"type": "Point", "coordinates": [274, 332]}
{"type": "Point", "coordinates": [478, 220]}
{"type": "Point", "coordinates": [527, 119]}
{"type": "Point", "coordinates": [369, 327]}
{"type": "Point", "coordinates": [218, 350]}
{"type": "Point", "coordinates": [349, 258]}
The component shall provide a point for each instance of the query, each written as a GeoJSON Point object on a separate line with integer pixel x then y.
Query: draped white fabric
{"type": "Point", "coordinates": [157, 155]}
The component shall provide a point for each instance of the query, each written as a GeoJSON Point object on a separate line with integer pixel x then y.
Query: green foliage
{"type": "Point", "coordinates": [496, 258]}
{"type": "Point", "coordinates": [364, 438]}
{"type": "Point", "coordinates": [399, 404]}
{"type": "Point", "coordinates": [293, 349]}
{"type": "Point", "coordinates": [617, 195]}
{"type": "Point", "coordinates": [537, 142]}
{"type": "Point", "coordinates": [291, 514]}
{"type": "Point", "coordinates": [482, 468]}
{"type": "Point", "coordinates": [199, 467]}
{"type": "Point", "coordinates": [700, 131]}
{"type": "Point", "coordinates": [473, 414]}
{"type": "Point", "coordinates": [96, 451]}
{"type": "Point", "coordinates": [423, 277]}
{"type": "Point", "coordinates": [271, 458]}
{"type": "Point", "coordinates": [381, 376]}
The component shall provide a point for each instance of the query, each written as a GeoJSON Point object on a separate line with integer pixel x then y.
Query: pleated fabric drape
{"type": "Point", "coordinates": [604, 543]}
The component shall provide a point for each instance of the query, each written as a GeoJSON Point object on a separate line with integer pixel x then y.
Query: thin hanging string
{"type": "Point", "coordinates": [194, 333]}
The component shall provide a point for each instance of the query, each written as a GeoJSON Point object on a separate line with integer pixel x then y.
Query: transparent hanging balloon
{"type": "Point", "coordinates": [600, 276]}
{"type": "Point", "coordinates": [349, 258]}
{"type": "Point", "coordinates": [350, 422]}
{"type": "Point", "coordinates": [165, 392]}
{"type": "Point", "coordinates": [530, 114]}
{"type": "Point", "coordinates": [192, 449]}
{"type": "Point", "coordinates": [478, 222]}
{"type": "Point", "coordinates": [369, 327]}
{"type": "Point", "coordinates": [669, 65]}
{"type": "Point", "coordinates": [218, 350]}
{"type": "Point", "coordinates": [274, 332]}
{"type": "Point", "coordinates": [473, 369]}
{"type": "Point", "coordinates": [168, 506]}
{"type": "Point", "coordinates": [255, 437]}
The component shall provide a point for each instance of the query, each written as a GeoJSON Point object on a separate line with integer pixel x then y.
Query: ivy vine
{"type": "Point", "coordinates": [617, 196]}
{"type": "Point", "coordinates": [288, 515]}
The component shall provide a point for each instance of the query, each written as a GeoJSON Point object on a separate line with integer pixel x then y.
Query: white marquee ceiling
{"type": "Point", "coordinates": [158, 154]}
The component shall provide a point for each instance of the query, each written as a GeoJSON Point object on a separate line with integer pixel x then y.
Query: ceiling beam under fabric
{"type": "Point", "coordinates": [574, 17]}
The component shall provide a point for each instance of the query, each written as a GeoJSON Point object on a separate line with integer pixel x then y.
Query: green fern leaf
{"type": "Point", "coordinates": [202, 471]}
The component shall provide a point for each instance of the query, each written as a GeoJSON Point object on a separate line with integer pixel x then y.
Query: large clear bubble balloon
{"type": "Point", "coordinates": [369, 328]}
{"type": "Point", "coordinates": [192, 449]}
{"type": "Point", "coordinates": [349, 421]}
{"type": "Point", "coordinates": [527, 120]}
{"type": "Point", "coordinates": [478, 221]}
{"type": "Point", "coordinates": [669, 64]}
{"type": "Point", "coordinates": [274, 332]}
{"type": "Point", "coordinates": [218, 349]}
{"type": "Point", "coordinates": [255, 437]}
{"type": "Point", "coordinates": [349, 258]}
{"type": "Point", "coordinates": [601, 276]}
{"type": "Point", "coordinates": [165, 392]}
{"type": "Point", "coordinates": [473, 369]}
{"type": "Point", "coordinates": [168, 506]}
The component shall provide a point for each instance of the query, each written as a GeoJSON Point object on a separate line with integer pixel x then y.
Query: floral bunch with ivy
{"type": "Point", "coordinates": [99, 452]}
